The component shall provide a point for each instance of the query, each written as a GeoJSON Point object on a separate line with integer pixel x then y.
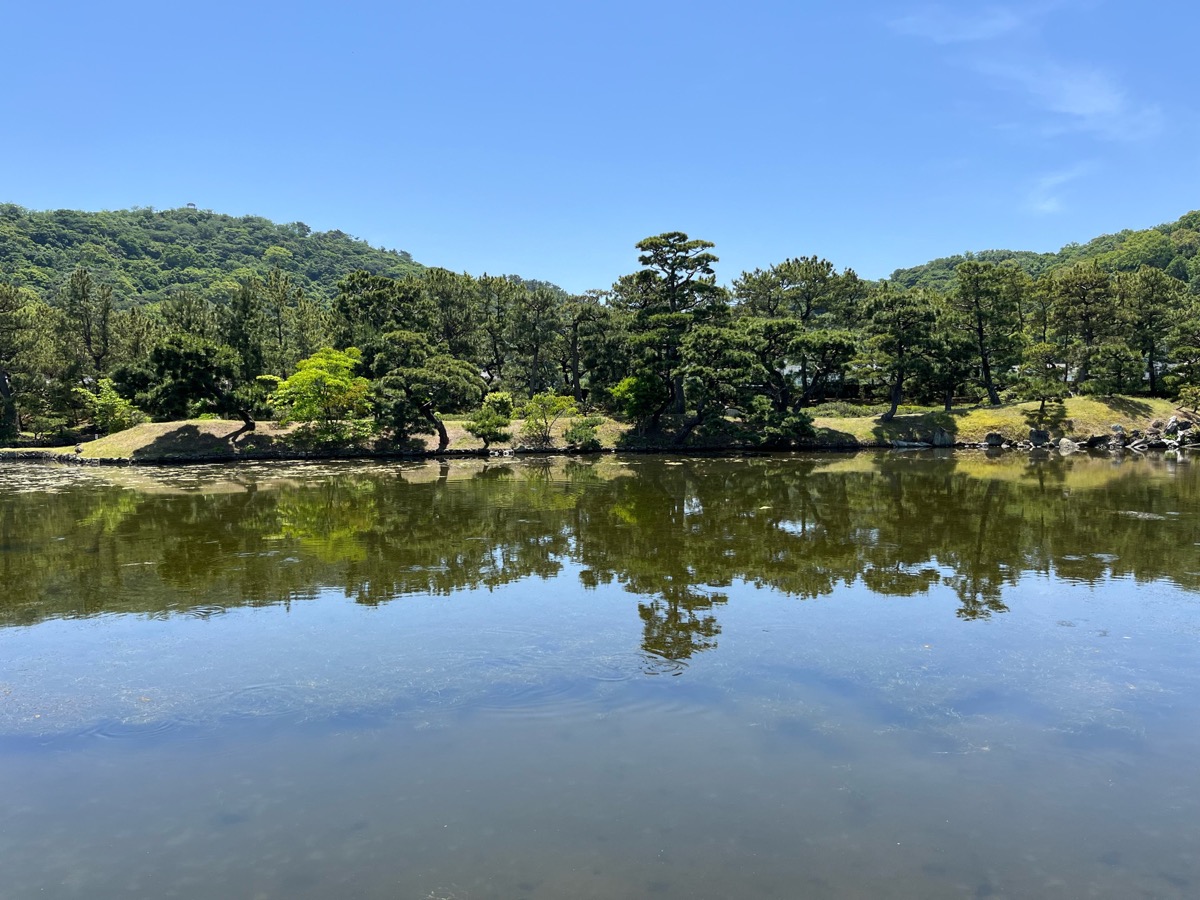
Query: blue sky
{"type": "Point", "coordinates": [546, 139]}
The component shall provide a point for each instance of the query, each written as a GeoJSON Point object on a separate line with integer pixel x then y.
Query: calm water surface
{"type": "Point", "coordinates": [882, 675]}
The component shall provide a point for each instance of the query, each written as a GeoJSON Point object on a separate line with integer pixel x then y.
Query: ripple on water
{"type": "Point", "coordinates": [654, 664]}
{"type": "Point", "coordinates": [124, 730]}
{"type": "Point", "coordinates": [206, 611]}
{"type": "Point", "coordinates": [257, 701]}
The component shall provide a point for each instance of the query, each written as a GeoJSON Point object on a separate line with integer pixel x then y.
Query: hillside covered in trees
{"type": "Point", "coordinates": [1171, 247]}
{"type": "Point", "coordinates": [358, 353]}
{"type": "Point", "coordinates": [145, 255]}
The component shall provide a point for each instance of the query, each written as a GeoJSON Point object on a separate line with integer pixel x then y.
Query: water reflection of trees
{"type": "Point", "coordinates": [677, 534]}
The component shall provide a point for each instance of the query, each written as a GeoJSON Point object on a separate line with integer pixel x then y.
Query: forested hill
{"type": "Point", "coordinates": [1172, 248]}
{"type": "Point", "coordinates": [146, 254]}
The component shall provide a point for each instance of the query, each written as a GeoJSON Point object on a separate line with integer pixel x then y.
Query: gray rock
{"type": "Point", "coordinates": [994, 439]}
{"type": "Point", "coordinates": [1066, 445]}
{"type": "Point", "coordinates": [1185, 425]}
{"type": "Point", "coordinates": [1117, 429]}
{"type": "Point", "coordinates": [942, 438]}
{"type": "Point", "coordinates": [1172, 426]}
{"type": "Point", "coordinates": [1038, 437]}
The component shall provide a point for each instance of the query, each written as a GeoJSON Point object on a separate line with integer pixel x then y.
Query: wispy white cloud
{"type": "Point", "coordinates": [1046, 197]}
{"type": "Point", "coordinates": [1078, 98]}
{"type": "Point", "coordinates": [1007, 48]}
{"type": "Point", "coordinates": [943, 25]}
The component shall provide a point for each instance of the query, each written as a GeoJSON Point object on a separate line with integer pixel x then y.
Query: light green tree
{"type": "Point", "coordinates": [324, 389]}
{"type": "Point", "coordinates": [541, 413]}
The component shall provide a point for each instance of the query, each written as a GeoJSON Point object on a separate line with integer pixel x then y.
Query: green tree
{"type": "Point", "coordinates": [490, 422]}
{"type": "Point", "coordinates": [413, 381]}
{"type": "Point", "coordinates": [985, 301]}
{"type": "Point", "coordinates": [89, 310]}
{"type": "Point", "coordinates": [1151, 300]}
{"type": "Point", "coordinates": [497, 297]}
{"type": "Point", "coordinates": [1039, 376]}
{"type": "Point", "coordinates": [244, 327]}
{"type": "Point", "coordinates": [187, 374]}
{"type": "Point", "coordinates": [369, 305]}
{"type": "Point", "coordinates": [675, 290]}
{"type": "Point", "coordinates": [540, 413]}
{"type": "Point", "coordinates": [537, 326]}
{"type": "Point", "coordinates": [108, 410]}
{"type": "Point", "coordinates": [457, 310]}
{"type": "Point", "coordinates": [13, 337]}
{"type": "Point", "coordinates": [324, 389]}
{"type": "Point", "coordinates": [899, 329]}
{"type": "Point", "coordinates": [1083, 313]}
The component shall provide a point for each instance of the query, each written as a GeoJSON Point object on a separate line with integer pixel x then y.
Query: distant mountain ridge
{"type": "Point", "coordinates": [146, 254]}
{"type": "Point", "coordinates": [1173, 247]}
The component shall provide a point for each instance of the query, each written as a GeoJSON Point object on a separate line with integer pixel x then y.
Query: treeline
{"type": "Point", "coordinates": [1171, 247]}
{"type": "Point", "coordinates": [666, 347]}
{"type": "Point", "coordinates": [146, 255]}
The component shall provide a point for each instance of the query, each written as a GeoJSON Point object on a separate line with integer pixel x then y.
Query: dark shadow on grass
{"type": "Point", "coordinates": [829, 437]}
{"type": "Point", "coordinates": [189, 442]}
{"type": "Point", "coordinates": [917, 427]}
{"type": "Point", "coordinates": [1127, 406]}
{"type": "Point", "coordinates": [1052, 419]}
{"type": "Point", "coordinates": [185, 442]}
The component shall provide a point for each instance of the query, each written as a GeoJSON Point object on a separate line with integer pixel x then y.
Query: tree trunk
{"type": "Point", "coordinates": [576, 388]}
{"type": "Point", "coordinates": [986, 371]}
{"type": "Point", "coordinates": [9, 424]}
{"type": "Point", "coordinates": [897, 394]}
{"type": "Point", "coordinates": [688, 427]}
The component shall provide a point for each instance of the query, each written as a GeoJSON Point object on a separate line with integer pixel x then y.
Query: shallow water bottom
{"type": "Point", "coordinates": [642, 804]}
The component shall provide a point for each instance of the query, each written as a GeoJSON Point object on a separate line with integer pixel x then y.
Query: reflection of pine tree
{"type": "Point", "coordinates": [676, 627]}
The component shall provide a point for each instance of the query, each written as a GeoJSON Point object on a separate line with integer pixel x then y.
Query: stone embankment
{"type": "Point", "coordinates": [1178, 433]}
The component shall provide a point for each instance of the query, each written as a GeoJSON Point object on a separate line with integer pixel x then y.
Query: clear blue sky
{"type": "Point", "coordinates": [547, 138]}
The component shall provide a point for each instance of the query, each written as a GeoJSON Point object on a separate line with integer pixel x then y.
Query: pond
{"type": "Point", "coordinates": [872, 675]}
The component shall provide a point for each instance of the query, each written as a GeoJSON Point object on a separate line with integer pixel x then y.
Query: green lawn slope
{"type": "Point", "coordinates": [1078, 417]}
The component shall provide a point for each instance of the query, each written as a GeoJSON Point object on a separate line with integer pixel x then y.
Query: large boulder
{"type": "Point", "coordinates": [1038, 437]}
{"type": "Point", "coordinates": [942, 438]}
{"type": "Point", "coordinates": [994, 439]}
{"type": "Point", "coordinates": [1066, 445]}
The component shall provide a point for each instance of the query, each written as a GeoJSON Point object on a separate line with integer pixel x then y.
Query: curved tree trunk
{"type": "Point", "coordinates": [897, 395]}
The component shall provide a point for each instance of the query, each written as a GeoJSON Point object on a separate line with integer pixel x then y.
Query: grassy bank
{"type": "Point", "coordinates": [1077, 417]}
{"type": "Point", "coordinates": [209, 439]}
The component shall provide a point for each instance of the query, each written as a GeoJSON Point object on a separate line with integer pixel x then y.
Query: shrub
{"type": "Point", "coordinates": [489, 422]}
{"type": "Point", "coordinates": [581, 433]}
{"type": "Point", "coordinates": [540, 414]}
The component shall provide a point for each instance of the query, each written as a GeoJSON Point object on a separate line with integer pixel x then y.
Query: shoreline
{"type": "Point", "coordinates": [1084, 446]}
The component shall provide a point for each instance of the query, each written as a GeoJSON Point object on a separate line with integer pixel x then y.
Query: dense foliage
{"type": "Point", "coordinates": [147, 254]}
{"type": "Point", "coordinates": [666, 347]}
{"type": "Point", "coordinates": [1171, 247]}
